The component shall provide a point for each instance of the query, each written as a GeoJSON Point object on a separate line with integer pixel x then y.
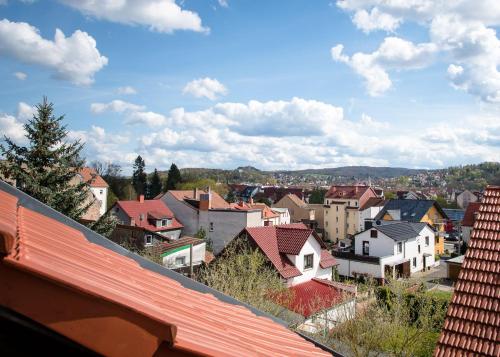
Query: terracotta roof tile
{"type": "Point", "coordinates": [326, 260]}
{"type": "Point", "coordinates": [217, 201]}
{"type": "Point", "coordinates": [89, 174]}
{"type": "Point", "coordinates": [312, 296]}
{"type": "Point", "coordinates": [149, 210]}
{"type": "Point", "coordinates": [472, 324]}
{"type": "Point", "coordinates": [57, 250]}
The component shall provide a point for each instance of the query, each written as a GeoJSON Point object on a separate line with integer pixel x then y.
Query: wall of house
{"type": "Point", "coordinates": [184, 213]}
{"type": "Point", "coordinates": [352, 220]}
{"type": "Point", "coordinates": [101, 194]}
{"type": "Point", "coordinates": [330, 318]}
{"type": "Point", "coordinates": [227, 224]}
{"type": "Point", "coordinates": [369, 213]}
{"type": "Point", "coordinates": [434, 218]}
{"type": "Point", "coordinates": [319, 215]}
{"type": "Point", "coordinates": [466, 232]}
{"type": "Point", "coordinates": [311, 246]}
{"type": "Point", "coordinates": [379, 247]}
{"type": "Point", "coordinates": [198, 256]}
{"type": "Point", "coordinates": [284, 216]}
{"type": "Point", "coordinates": [297, 214]}
{"type": "Point", "coordinates": [349, 268]}
{"type": "Point", "coordinates": [172, 234]}
{"type": "Point", "coordinates": [120, 215]}
{"type": "Point", "coordinates": [465, 198]}
{"type": "Point", "coordinates": [335, 221]}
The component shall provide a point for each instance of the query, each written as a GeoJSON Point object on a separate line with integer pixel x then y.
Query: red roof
{"type": "Point", "coordinates": [217, 201]}
{"type": "Point", "coordinates": [119, 307]}
{"type": "Point", "coordinates": [347, 192]}
{"type": "Point", "coordinates": [267, 212]}
{"type": "Point", "coordinates": [326, 260]}
{"type": "Point", "coordinates": [89, 174]}
{"type": "Point", "coordinates": [312, 296]}
{"type": "Point", "coordinates": [372, 202]}
{"type": "Point", "coordinates": [150, 211]}
{"type": "Point", "coordinates": [278, 241]}
{"type": "Point", "coordinates": [472, 325]}
{"type": "Point", "coordinates": [469, 214]}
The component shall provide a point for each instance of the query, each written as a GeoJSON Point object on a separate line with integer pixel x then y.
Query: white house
{"type": "Point", "coordinates": [98, 195]}
{"type": "Point", "coordinates": [300, 257]}
{"type": "Point", "coordinates": [197, 209]}
{"type": "Point", "coordinates": [284, 215]}
{"type": "Point", "coordinates": [369, 210]}
{"type": "Point", "coordinates": [176, 254]}
{"type": "Point", "coordinates": [389, 250]}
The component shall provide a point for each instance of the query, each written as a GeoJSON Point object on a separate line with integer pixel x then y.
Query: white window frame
{"type": "Point", "coordinates": [312, 261]}
{"type": "Point", "coordinates": [182, 259]}
{"type": "Point", "coordinates": [400, 247]}
{"type": "Point", "coordinates": [150, 236]}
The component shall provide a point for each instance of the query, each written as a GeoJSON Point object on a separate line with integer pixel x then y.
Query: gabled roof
{"type": "Point", "coordinates": [149, 210]}
{"type": "Point", "coordinates": [411, 210]}
{"type": "Point", "coordinates": [399, 231]}
{"type": "Point", "coordinates": [217, 201]}
{"type": "Point", "coordinates": [297, 201]}
{"type": "Point", "coordinates": [278, 241]}
{"type": "Point", "coordinates": [90, 175]}
{"type": "Point", "coordinates": [472, 325]}
{"type": "Point", "coordinates": [178, 243]}
{"type": "Point", "coordinates": [372, 202]}
{"type": "Point", "coordinates": [470, 213]}
{"type": "Point", "coordinates": [267, 212]}
{"type": "Point", "coordinates": [115, 302]}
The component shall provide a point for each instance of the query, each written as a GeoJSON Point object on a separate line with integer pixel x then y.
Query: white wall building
{"type": "Point", "coordinates": [197, 209]}
{"type": "Point", "coordinates": [391, 249]}
{"type": "Point", "coordinates": [284, 215]}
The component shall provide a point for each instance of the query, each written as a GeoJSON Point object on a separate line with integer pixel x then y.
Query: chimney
{"type": "Point", "coordinates": [206, 201]}
{"type": "Point", "coordinates": [250, 201]}
{"type": "Point", "coordinates": [140, 198]}
{"type": "Point", "coordinates": [240, 203]}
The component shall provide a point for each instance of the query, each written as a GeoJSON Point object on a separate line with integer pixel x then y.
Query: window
{"type": "Point", "coordinates": [148, 240]}
{"type": "Point", "coordinates": [366, 248]}
{"type": "Point", "coordinates": [101, 191]}
{"type": "Point", "coordinates": [141, 217]}
{"type": "Point", "coordinates": [436, 240]}
{"type": "Point", "coordinates": [308, 261]}
{"type": "Point", "coordinates": [180, 261]}
{"type": "Point", "coordinates": [373, 233]}
{"type": "Point", "coordinates": [414, 262]}
{"type": "Point", "coordinates": [347, 214]}
{"type": "Point", "coordinates": [426, 241]}
{"type": "Point", "coordinates": [337, 218]}
{"type": "Point", "coordinates": [347, 225]}
{"type": "Point", "coordinates": [326, 223]}
{"type": "Point", "coordinates": [356, 203]}
{"type": "Point", "coordinates": [337, 207]}
{"type": "Point", "coordinates": [211, 229]}
{"type": "Point", "coordinates": [419, 249]}
{"type": "Point", "coordinates": [336, 230]}
{"type": "Point", "coordinates": [400, 247]}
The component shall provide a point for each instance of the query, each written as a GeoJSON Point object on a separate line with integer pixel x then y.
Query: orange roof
{"type": "Point", "coordinates": [472, 325]}
{"type": "Point", "coordinates": [217, 201]}
{"type": "Point", "coordinates": [115, 302]}
{"type": "Point", "coordinates": [469, 214]}
{"type": "Point", "coordinates": [347, 192]}
{"type": "Point", "coordinates": [267, 212]}
{"type": "Point", "coordinates": [293, 197]}
{"type": "Point", "coordinates": [90, 175]}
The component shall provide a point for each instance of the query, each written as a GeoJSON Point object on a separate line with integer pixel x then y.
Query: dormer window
{"type": "Point", "coordinates": [308, 261]}
{"type": "Point", "coordinates": [141, 217]}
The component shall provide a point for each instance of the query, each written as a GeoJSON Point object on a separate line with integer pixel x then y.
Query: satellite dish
{"type": "Point", "coordinates": [377, 222]}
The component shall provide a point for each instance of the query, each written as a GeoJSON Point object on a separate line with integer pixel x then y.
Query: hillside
{"type": "Point", "coordinates": [358, 172]}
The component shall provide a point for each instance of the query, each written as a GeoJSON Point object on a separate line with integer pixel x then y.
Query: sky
{"type": "Point", "coordinates": [274, 84]}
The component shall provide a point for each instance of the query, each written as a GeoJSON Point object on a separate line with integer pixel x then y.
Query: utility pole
{"type": "Point", "coordinates": [191, 260]}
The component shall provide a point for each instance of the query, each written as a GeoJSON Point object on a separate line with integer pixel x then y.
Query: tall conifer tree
{"type": "Point", "coordinates": [139, 176]}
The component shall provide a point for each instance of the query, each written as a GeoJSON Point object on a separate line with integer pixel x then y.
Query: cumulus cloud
{"type": "Point", "coordinates": [75, 58]}
{"type": "Point", "coordinates": [464, 30]}
{"type": "Point", "coordinates": [158, 15]}
{"type": "Point", "coordinates": [205, 87]}
{"type": "Point", "coordinates": [393, 53]}
{"type": "Point", "coordinates": [223, 3]}
{"type": "Point", "coordinates": [12, 126]}
{"type": "Point", "coordinates": [20, 75]}
{"type": "Point", "coordinates": [25, 112]}
{"type": "Point", "coordinates": [126, 90]}
{"type": "Point", "coordinates": [117, 106]}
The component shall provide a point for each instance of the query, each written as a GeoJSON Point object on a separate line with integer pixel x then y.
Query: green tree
{"type": "Point", "coordinates": [317, 195]}
{"type": "Point", "coordinates": [155, 185]}
{"type": "Point", "coordinates": [231, 197]}
{"type": "Point", "coordinates": [174, 178]}
{"type": "Point", "coordinates": [139, 176]}
{"type": "Point", "coordinates": [47, 168]}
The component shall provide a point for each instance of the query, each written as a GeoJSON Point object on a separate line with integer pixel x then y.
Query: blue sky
{"type": "Point", "coordinates": [273, 84]}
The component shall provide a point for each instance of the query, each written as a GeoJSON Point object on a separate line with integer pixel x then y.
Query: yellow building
{"type": "Point", "coordinates": [426, 211]}
{"type": "Point", "coordinates": [342, 210]}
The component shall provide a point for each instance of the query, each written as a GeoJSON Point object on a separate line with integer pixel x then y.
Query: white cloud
{"type": "Point", "coordinates": [20, 75]}
{"type": "Point", "coordinates": [127, 90]}
{"type": "Point", "coordinates": [75, 58]}
{"type": "Point", "coordinates": [12, 128]}
{"type": "Point", "coordinates": [393, 53]}
{"type": "Point", "coordinates": [117, 106]}
{"type": "Point", "coordinates": [25, 112]}
{"type": "Point", "coordinates": [464, 30]}
{"type": "Point", "coordinates": [158, 15]}
{"type": "Point", "coordinates": [223, 3]}
{"type": "Point", "coordinates": [375, 20]}
{"type": "Point", "coordinates": [205, 87]}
